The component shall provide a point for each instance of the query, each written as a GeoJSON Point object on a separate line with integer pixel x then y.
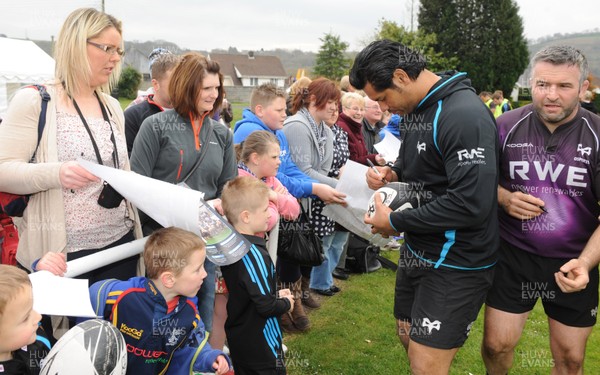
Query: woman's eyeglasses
{"type": "Point", "coordinates": [111, 50]}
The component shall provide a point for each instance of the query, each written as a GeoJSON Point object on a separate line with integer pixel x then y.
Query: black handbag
{"type": "Point", "coordinates": [363, 257]}
{"type": "Point", "coordinates": [298, 242]}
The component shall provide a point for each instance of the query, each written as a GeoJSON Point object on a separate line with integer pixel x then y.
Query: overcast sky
{"type": "Point", "coordinates": [268, 24]}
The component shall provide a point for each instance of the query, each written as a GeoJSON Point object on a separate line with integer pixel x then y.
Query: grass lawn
{"type": "Point", "coordinates": [237, 108]}
{"type": "Point", "coordinates": [124, 102]}
{"type": "Point", "coordinates": [354, 333]}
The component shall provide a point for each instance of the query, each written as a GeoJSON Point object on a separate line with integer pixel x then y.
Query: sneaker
{"type": "Point", "coordinates": [392, 245]}
{"type": "Point", "coordinates": [340, 274]}
{"type": "Point", "coordinates": [284, 348]}
{"type": "Point", "coordinates": [324, 292]}
{"type": "Point", "coordinates": [335, 289]}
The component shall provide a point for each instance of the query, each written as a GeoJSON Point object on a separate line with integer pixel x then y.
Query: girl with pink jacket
{"type": "Point", "coordinates": [258, 156]}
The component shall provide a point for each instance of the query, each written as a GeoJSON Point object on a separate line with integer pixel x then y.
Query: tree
{"type": "Point", "coordinates": [486, 37]}
{"type": "Point", "coordinates": [331, 60]}
{"type": "Point", "coordinates": [417, 41]}
{"type": "Point", "coordinates": [129, 82]}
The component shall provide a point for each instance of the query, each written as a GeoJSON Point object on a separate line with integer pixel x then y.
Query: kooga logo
{"type": "Point", "coordinates": [519, 145]}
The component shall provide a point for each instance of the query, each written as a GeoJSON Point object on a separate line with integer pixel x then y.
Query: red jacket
{"type": "Point", "coordinates": [356, 141]}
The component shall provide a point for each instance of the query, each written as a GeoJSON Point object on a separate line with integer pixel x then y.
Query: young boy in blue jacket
{"type": "Point", "coordinates": [267, 112]}
{"type": "Point", "coordinates": [157, 315]}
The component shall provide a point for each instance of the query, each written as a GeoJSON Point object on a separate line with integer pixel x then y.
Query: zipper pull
{"type": "Point", "coordinates": [180, 165]}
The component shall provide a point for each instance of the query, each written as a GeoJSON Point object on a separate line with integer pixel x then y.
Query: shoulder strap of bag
{"type": "Point", "coordinates": [42, 120]}
{"type": "Point", "coordinates": [202, 152]}
{"type": "Point", "coordinates": [115, 153]}
{"type": "Point", "coordinates": [386, 263]}
{"type": "Point", "coordinates": [304, 214]}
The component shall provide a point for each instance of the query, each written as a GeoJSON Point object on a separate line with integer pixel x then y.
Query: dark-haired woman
{"type": "Point", "coordinates": [311, 148]}
{"type": "Point", "coordinates": [170, 143]}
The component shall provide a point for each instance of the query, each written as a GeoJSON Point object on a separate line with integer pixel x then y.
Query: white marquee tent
{"type": "Point", "coordinates": [22, 63]}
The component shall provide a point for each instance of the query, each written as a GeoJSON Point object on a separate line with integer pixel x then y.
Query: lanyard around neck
{"type": "Point", "coordinates": [115, 154]}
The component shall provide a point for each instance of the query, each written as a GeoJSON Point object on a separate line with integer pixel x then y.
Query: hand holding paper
{"type": "Point", "coordinates": [62, 296]}
{"type": "Point", "coordinates": [353, 183]}
{"type": "Point", "coordinates": [389, 147]}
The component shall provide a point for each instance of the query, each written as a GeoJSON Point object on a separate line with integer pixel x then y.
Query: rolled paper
{"type": "Point", "coordinates": [168, 204]}
{"type": "Point", "coordinates": [178, 206]}
{"type": "Point", "coordinates": [102, 258]}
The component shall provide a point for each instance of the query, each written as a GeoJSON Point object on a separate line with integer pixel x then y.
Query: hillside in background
{"type": "Point", "coordinates": [144, 47]}
{"type": "Point", "coordinates": [588, 43]}
{"type": "Point", "coordinates": [292, 60]}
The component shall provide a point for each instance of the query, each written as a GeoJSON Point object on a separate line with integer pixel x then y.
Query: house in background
{"type": "Point", "coordinates": [250, 70]}
{"type": "Point", "coordinates": [137, 60]}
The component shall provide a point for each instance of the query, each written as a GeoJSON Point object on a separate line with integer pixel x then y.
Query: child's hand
{"type": "Point", "coordinates": [280, 189]}
{"type": "Point", "coordinates": [220, 365]}
{"type": "Point", "coordinates": [328, 194]}
{"type": "Point", "coordinates": [273, 196]}
{"type": "Point", "coordinates": [286, 293]}
{"type": "Point", "coordinates": [291, 299]}
{"type": "Point", "coordinates": [216, 204]}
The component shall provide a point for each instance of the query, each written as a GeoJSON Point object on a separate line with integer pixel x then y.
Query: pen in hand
{"type": "Point", "coordinates": [520, 188]}
{"type": "Point", "coordinates": [376, 171]}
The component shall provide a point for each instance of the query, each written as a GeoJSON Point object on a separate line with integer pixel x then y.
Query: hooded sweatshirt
{"type": "Point", "coordinates": [297, 183]}
{"type": "Point", "coordinates": [450, 158]}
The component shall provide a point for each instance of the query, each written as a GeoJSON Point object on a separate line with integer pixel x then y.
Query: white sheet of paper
{"type": "Point", "coordinates": [353, 183]}
{"type": "Point", "coordinates": [389, 147]}
{"type": "Point", "coordinates": [55, 295]}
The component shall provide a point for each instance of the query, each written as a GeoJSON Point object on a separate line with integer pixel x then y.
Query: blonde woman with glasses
{"type": "Point", "coordinates": [69, 215]}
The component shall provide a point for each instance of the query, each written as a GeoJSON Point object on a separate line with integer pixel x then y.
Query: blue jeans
{"type": "Point", "coordinates": [333, 246]}
{"type": "Point", "coordinates": [206, 296]}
